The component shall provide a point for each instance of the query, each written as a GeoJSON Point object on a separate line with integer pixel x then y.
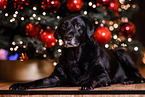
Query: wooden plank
{"type": "Point", "coordinates": [118, 87]}
{"type": "Point", "coordinates": [72, 95]}
{"type": "Point", "coordinates": [141, 86]}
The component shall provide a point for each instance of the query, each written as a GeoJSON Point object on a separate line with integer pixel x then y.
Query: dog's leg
{"type": "Point", "coordinates": [54, 79]}
{"type": "Point", "coordinates": [132, 73]}
{"type": "Point", "coordinates": [99, 78]}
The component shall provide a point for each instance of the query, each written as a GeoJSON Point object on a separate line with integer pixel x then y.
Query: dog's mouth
{"type": "Point", "coordinates": [71, 42]}
{"type": "Point", "coordinates": [68, 44]}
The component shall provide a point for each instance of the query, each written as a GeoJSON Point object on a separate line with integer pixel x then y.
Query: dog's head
{"type": "Point", "coordinates": [74, 30]}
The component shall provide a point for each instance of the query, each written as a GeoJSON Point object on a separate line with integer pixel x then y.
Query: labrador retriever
{"type": "Point", "coordinates": [83, 62]}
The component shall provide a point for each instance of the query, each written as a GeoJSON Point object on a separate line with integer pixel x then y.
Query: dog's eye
{"type": "Point", "coordinates": [63, 27]}
{"type": "Point", "coordinates": [78, 26]}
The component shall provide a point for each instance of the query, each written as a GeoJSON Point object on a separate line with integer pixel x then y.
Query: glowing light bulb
{"type": "Point", "coordinates": [90, 3]}
{"type": "Point", "coordinates": [133, 6]}
{"type": "Point", "coordinates": [39, 18]}
{"type": "Point", "coordinates": [34, 8]}
{"type": "Point", "coordinates": [85, 12]}
{"type": "Point", "coordinates": [52, 2]}
{"type": "Point", "coordinates": [75, 1]}
{"type": "Point", "coordinates": [34, 15]}
{"type": "Point", "coordinates": [94, 6]}
{"type": "Point", "coordinates": [58, 17]}
{"type": "Point", "coordinates": [129, 39]}
{"type": "Point", "coordinates": [13, 43]}
{"type": "Point", "coordinates": [60, 42]}
{"type": "Point", "coordinates": [127, 28]}
{"type": "Point", "coordinates": [49, 36]}
{"type": "Point", "coordinates": [53, 44]}
{"type": "Point", "coordinates": [115, 25]}
{"type": "Point", "coordinates": [15, 49]}
{"type": "Point", "coordinates": [103, 34]}
{"type": "Point", "coordinates": [21, 42]}
{"type": "Point", "coordinates": [16, 12]}
{"type": "Point", "coordinates": [111, 28]}
{"type": "Point", "coordinates": [112, 4]}
{"type": "Point", "coordinates": [36, 51]}
{"type": "Point", "coordinates": [6, 14]}
{"type": "Point", "coordinates": [44, 48]}
{"type": "Point", "coordinates": [106, 45]}
{"type": "Point", "coordinates": [31, 18]}
{"type": "Point", "coordinates": [136, 48]}
{"type": "Point", "coordinates": [24, 46]}
{"type": "Point", "coordinates": [59, 50]}
{"type": "Point", "coordinates": [22, 18]}
{"type": "Point", "coordinates": [54, 63]}
{"type": "Point", "coordinates": [96, 22]}
{"type": "Point", "coordinates": [44, 55]}
{"type": "Point", "coordinates": [44, 13]}
{"type": "Point", "coordinates": [121, 1]}
{"type": "Point", "coordinates": [101, 25]}
{"type": "Point", "coordinates": [115, 37]}
{"type": "Point", "coordinates": [11, 49]}
{"type": "Point", "coordinates": [14, 15]}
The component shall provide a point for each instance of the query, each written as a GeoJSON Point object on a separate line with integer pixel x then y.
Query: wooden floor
{"type": "Point", "coordinates": [4, 86]}
{"type": "Point", "coordinates": [76, 92]}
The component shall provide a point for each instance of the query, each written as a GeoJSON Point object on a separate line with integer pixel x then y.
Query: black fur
{"type": "Point", "coordinates": [83, 63]}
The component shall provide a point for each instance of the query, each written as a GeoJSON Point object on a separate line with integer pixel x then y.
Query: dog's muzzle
{"type": "Point", "coordinates": [70, 41]}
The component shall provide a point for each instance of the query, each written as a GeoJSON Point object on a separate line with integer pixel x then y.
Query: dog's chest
{"type": "Point", "coordinates": [77, 64]}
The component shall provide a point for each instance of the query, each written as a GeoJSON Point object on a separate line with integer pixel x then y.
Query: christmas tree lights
{"type": "Point", "coordinates": [23, 24]}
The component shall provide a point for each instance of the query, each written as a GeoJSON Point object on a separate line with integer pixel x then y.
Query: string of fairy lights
{"type": "Point", "coordinates": [112, 26]}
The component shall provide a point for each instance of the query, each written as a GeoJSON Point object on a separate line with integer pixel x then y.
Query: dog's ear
{"type": "Point", "coordinates": [90, 28]}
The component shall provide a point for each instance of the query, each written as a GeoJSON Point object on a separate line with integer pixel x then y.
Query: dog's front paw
{"type": "Point", "coordinates": [133, 80]}
{"type": "Point", "coordinates": [87, 86]}
{"type": "Point", "coordinates": [18, 86]}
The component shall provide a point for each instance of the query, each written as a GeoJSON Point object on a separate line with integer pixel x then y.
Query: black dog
{"type": "Point", "coordinates": [83, 63]}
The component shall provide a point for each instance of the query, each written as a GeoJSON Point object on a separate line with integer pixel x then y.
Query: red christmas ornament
{"type": "Point", "coordinates": [51, 5]}
{"type": "Point", "coordinates": [102, 35]}
{"type": "Point", "coordinates": [104, 2]}
{"type": "Point", "coordinates": [48, 37]}
{"type": "Point", "coordinates": [32, 29]}
{"type": "Point", "coordinates": [127, 29]}
{"type": "Point", "coordinates": [114, 5]}
{"type": "Point", "coordinates": [74, 5]}
{"type": "Point", "coordinates": [3, 4]}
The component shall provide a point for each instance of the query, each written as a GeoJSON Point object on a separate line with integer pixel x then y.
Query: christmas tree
{"type": "Point", "coordinates": [27, 26]}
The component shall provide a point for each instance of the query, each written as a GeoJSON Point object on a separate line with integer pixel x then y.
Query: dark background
{"type": "Point", "coordinates": [139, 21]}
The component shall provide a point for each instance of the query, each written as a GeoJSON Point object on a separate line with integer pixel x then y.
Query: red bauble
{"type": "Point", "coordinates": [74, 5]}
{"type": "Point", "coordinates": [51, 5]}
{"type": "Point", "coordinates": [32, 29]}
{"type": "Point", "coordinates": [48, 37]}
{"type": "Point", "coordinates": [114, 5]}
{"type": "Point", "coordinates": [127, 29]}
{"type": "Point", "coordinates": [102, 35]}
{"type": "Point", "coordinates": [3, 4]}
